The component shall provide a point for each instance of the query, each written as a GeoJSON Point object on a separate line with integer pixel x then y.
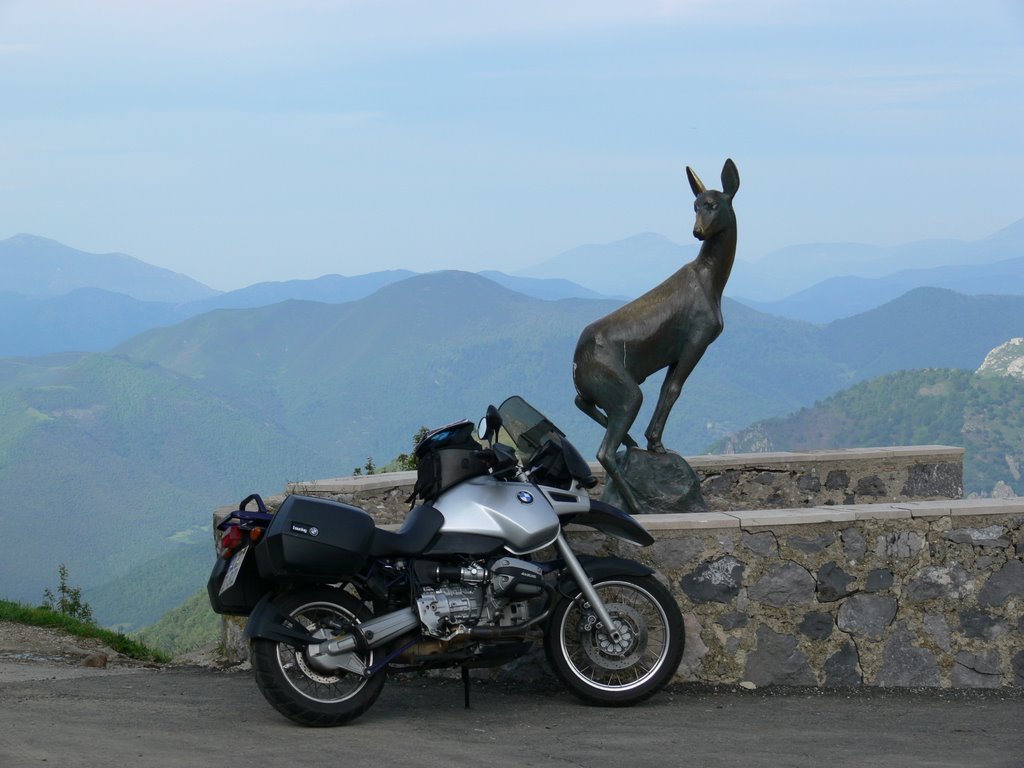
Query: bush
{"type": "Point", "coordinates": [69, 600]}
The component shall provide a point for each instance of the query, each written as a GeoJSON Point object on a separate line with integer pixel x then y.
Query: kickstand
{"type": "Point", "coordinates": [465, 684]}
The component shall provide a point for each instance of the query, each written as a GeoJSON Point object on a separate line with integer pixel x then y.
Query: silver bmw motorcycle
{"type": "Point", "coordinates": [480, 572]}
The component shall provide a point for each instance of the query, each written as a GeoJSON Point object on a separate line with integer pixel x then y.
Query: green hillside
{"type": "Point", "coordinates": [141, 596]}
{"type": "Point", "coordinates": [985, 414]}
{"type": "Point", "coordinates": [446, 344]}
{"type": "Point", "coordinates": [190, 625]}
{"type": "Point", "coordinates": [113, 458]}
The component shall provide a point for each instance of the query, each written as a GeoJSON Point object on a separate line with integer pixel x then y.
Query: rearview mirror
{"type": "Point", "coordinates": [489, 425]}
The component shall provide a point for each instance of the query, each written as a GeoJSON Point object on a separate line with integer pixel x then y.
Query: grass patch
{"type": "Point", "coordinates": [44, 617]}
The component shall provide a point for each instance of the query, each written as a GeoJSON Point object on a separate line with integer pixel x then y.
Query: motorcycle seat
{"type": "Point", "coordinates": [412, 538]}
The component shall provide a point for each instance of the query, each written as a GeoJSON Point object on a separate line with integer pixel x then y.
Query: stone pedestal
{"type": "Point", "coordinates": [661, 483]}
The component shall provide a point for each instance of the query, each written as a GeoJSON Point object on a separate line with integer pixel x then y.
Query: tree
{"type": "Point", "coordinates": [68, 600]}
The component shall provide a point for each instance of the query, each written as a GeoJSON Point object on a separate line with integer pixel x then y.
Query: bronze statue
{"type": "Point", "coordinates": [670, 326]}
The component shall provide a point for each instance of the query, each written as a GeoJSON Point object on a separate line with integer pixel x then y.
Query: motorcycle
{"type": "Point", "coordinates": [333, 601]}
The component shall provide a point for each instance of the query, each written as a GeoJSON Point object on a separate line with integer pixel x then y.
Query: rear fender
{"type": "Point", "coordinates": [266, 622]}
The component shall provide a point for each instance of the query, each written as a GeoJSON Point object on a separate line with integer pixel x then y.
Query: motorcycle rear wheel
{"type": "Point", "coordinates": [295, 688]}
{"type": "Point", "coordinates": [601, 671]}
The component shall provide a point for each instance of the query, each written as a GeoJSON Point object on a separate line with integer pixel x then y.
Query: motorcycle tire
{"type": "Point", "coordinates": [606, 673]}
{"type": "Point", "coordinates": [297, 690]}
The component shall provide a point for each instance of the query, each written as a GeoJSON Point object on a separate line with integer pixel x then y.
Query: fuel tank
{"type": "Point", "coordinates": [517, 513]}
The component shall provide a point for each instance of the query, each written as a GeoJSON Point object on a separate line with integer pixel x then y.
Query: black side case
{"type": "Point", "coordinates": [311, 539]}
{"type": "Point", "coordinates": [241, 597]}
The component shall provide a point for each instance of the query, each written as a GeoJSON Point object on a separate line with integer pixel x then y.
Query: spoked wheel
{"type": "Point", "coordinates": [622, 671]}
{"type": "Point", "coordinates": [294, 685]}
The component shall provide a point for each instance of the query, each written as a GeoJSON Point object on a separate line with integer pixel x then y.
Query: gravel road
{"type": "Point", "coordinates": [56, 712]}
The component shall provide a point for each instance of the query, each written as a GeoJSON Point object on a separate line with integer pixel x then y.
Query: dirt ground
{"type": "Point", "coordinates": [28, 652]}
{"type": "Point", "coordinates": [57, 711]}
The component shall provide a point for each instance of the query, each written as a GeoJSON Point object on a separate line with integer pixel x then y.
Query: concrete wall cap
{"type": "Point", "coordinates": [689, 521]}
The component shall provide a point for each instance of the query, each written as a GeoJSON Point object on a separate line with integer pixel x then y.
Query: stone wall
{"type": "Point", "coordinates": [915, 594]}
{"type": "Point", "coordinates": [737, 481]}
{"type": "Point", "coordinates": [799, 584]}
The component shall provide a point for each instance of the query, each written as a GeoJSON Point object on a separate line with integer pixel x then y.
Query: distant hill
{"type": "Point", "coordinates": [839, 297]}
{"type": "Point", "coordinates": [83, 320]}
{"type": "Point", "coordinates": [329, 289]}
{"type": "Point", "coordinates": [99, 317]}
{"type": "Point", "coordinates": [633, 265]}
{"type": "Point", "coordinates": [36, 266]}
{"type": "Point", "coordinates": [793, 269]}
{"type": "Point", "coordinates": [985, 414]}
{"type": "Point", "coordinates": [927, 327]}
{"type": "Point", "coordinates": [20, 372]}
{"type": "Point", "coordinates": [623, 268]}
{"type": "Point", "coordinates": [549, 289]}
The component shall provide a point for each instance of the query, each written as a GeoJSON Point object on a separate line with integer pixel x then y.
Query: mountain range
{"type": "Point", "coordinates": [121, 456]}
{"type": "Point", "coordinates": [59, 299]}
{"type": "Point", "coordinates": [56, 298]}
{"type": "Point", "coordinates": [171, 407]}
{"type": "Point", "coordinates": [817, 282]}
{"type": "Point", "coordinates": [37, 266]}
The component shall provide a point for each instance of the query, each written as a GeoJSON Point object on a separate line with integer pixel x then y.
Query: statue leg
{"type": "Point", "coordinates": [597, 415]}
{"type": "Point", "coordinates": [670, 389]}
{"type": "Point", "coordinates": [620, 418]}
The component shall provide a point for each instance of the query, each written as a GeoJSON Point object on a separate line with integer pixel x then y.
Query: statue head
{"type": "Point", "coordinates": [713, 208]}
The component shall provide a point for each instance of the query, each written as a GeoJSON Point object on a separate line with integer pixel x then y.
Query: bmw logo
{"type": "Point", "coordinates": [314, 531]}
{"type": "Point", "coordinates": [525, 497]}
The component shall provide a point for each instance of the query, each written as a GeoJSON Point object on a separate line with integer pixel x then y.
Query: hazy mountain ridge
{"type": "Point", "coordinates": [37, 266]}
{"type": "Point", "coordinates": [839, 297]}
{"type": "Point", "coordinates": [82, 320]}
{"type": "Point", "coordinates": [59, 299]}
{"type": "Point", "coordinates": [793, 269]}
{"type": "Point", "coordinates": [624, 268]}
{"type": "Point", "coordinates": [817, 282]}
{"type": "Point", "coordinates": [925, 328]}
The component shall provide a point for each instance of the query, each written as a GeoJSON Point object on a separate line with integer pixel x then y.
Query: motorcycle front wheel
{"type": "Point", "coordinates": [619, 673]}
{"type": "Point", "coordinates": [292, 685]}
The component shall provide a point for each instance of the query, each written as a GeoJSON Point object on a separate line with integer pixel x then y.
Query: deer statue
{"type": "Point", "coordinates": [670, 326]}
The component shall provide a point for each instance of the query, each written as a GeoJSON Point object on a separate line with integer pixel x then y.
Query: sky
{"type": "Point", "coordinates": [239, 141]}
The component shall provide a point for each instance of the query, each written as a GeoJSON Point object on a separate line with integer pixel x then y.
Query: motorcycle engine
{"type": "Point", "coordinates": [494, 595]}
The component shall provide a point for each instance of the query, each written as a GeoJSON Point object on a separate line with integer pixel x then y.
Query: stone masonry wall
{"type": "Point", "coordinates": [827, 592]}
{"type": "Point", "coordinates": [736, 481]}
{"type": "Point", "coordinates": [919, 594]}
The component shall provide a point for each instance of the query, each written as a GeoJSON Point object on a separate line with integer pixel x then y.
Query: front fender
{"type": "Point", "coordinates": [600, 568]}
{"type": "Point", "coordinates": [612, 521]}
{"type": "Point", "coordinates": [268, 623]}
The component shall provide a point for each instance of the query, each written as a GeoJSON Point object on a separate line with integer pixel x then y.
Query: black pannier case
{"type": "Point", "coordinates": [241, 597]}
{"type": "Point", "coordinates": [312, 538]}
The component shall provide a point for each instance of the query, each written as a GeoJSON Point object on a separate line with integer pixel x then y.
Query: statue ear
{"type": "Point", "coordinates": [730, 178]}
{"type": "Point", "coordinates": [695, 183]}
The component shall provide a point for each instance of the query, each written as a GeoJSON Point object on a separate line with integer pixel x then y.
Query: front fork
{"type": "Point", "coordinates": [583, 581]}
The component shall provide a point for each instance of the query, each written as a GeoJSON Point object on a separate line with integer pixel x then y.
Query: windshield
{"type": "Point", "coordinates": [526, 426]}
{"type": "Point", "coordinates": [552, 458]}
